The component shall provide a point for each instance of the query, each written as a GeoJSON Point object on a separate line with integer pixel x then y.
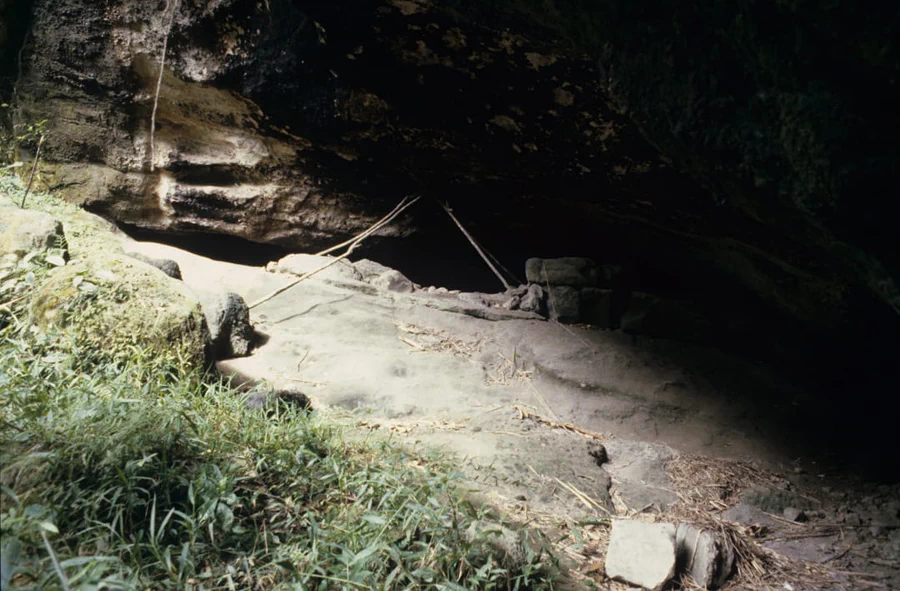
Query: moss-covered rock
{"type": "Point", "coordinates": [23, 231]}
{"type": "Point", "coordinates": [113, 302]}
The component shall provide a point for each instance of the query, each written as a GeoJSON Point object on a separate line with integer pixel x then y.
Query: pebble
{"type": "Point", "coordinates": [794, 514]}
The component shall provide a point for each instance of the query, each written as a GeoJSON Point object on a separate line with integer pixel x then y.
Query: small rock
{"type": "Point", "coordinates": [393, 280]}
{"type": "Point", "coordinates": [269, 399]}
{"type": "Point", "coordinates": [706, 556]}
{"type": "Point", "coordinates": [228, 319]}
{"type": "Point", "coordinates": [167, 266]}
{"type": "Point", "coordinates": [748, 515]}
{"type": "Point", "coordinates": [533, 300]}
{"type": "Point", "coordinates": [774, 500]}
{"type": "Point", "coordinates": [597, 451]}
{"type": "Point", "coordinates": [641, 553]}
{"type": "Point", "coordinates": [512, 303]}
{"type": "Point", "coordinates": [25, 230]}
{"type": "Point", "coordinates": [876, 531]}
{"type": "Point", "coordinates": [794, 514]}
{"type": "Point", "coordinates": [570, 271]}
{"type": "Point", "coordinates": [511, 545]}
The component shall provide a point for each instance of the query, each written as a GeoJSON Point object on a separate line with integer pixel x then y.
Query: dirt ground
{"type": "Point", "coordinates": [564, 426]}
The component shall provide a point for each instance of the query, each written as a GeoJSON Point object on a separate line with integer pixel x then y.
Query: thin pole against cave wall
{"type": "Point", "coordinates": [162, 64]}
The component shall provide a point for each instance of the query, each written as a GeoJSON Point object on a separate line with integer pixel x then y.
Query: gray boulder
{"type": "Point", "coordinates": [570, 271]}
{"type": "Point", "coordinates": [564, 304]}
{"type": "Point", "coordinates": [25, 230]}
{"type": "Point", "coordinates": [641, 554]}
{"type": "Point", "coordinates": [393, 280]}
{"type": "Point", "coordinates": [167, 266]}
{"type": "Point", "coordinates": [705, 555]}
{"type": "Point", "coordinates": [369, 270]}
{"type": "Point", "coordinates": [149, 309]}
{"type": "Point", "coordinates": [300, 264]}
{"type": "Point", "coordinates": [228, 319]}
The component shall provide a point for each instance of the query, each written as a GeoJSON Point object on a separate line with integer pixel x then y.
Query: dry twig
{"type": "Point", "coordinates": [525, 414]}
{"type": "Point", "coordinates": [37, 157]}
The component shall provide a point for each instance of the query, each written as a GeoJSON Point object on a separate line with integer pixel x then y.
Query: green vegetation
{"type": "Point", "coordinates": [137, 470]}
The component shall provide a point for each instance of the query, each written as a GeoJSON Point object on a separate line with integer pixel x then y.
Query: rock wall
{"type": "Point", "coordinates": [713, 152]}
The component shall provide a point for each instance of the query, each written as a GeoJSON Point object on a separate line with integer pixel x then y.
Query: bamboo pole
{"type": "Point", "coordinates": [352, 243]}
{"type": "Point", "coordinates": [475, 246]}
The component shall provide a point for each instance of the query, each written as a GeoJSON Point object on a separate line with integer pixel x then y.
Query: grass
{"type": "Point", "coordinates": [139, 471]}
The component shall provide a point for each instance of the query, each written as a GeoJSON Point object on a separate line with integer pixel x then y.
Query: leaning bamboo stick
{"type": "Point", "coordinates": [404, 203]}
{"type": "Point", "coordinates": [353, 243]}
{"type": "Point", "coordinates": [475, 245]}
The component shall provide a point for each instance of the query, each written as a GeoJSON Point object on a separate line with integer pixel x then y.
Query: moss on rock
{"type": "Point", "coordinates": [113, 302]}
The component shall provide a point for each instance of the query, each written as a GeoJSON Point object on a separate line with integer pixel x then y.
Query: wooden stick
{"type": "Point", "coordinates": [162, 63]}
{"type": "Point", "coordinates": [294, 282]}
{"type": "Point", "coordinates": [475, 245]}
{"type": "Point", "coordinates": [524, 414]}
{"type": "Point", "coordinates": [543, 401]}
{"type": "Point", "coordinates": [353, 243]}
{"type": "Point", "coordinates": [374, 227]}
{"type": "Point", "coordinates": [37, 156]}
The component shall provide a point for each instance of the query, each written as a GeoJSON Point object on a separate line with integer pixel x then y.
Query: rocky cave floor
{"type": "Point", "coordinates": [562, 426]}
